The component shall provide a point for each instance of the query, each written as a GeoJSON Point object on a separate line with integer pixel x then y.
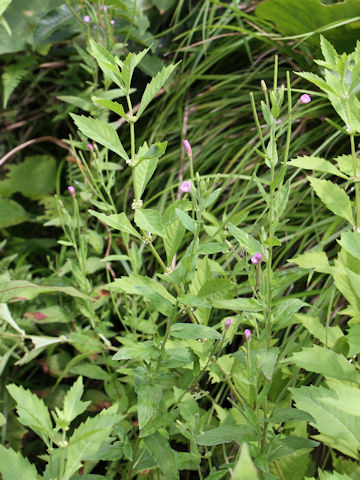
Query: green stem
{"type": "Point", "coordinates": [356, 183]}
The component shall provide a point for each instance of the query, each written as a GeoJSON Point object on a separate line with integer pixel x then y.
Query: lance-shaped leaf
{"type": "Point", "coordinates": [73, 406]}
{"type": "Point", "coordinates": [113, 106]}
{"type": "Point", "coordinates": [247, 242]}
{"type": "Point", "coordinates": [128, 67]}
{"type": "Point", "coordinates": [118, 221]}
{"type": "Point", "coordinates": [6, 315]}
{"type": "Point", "coordinates": [154, 86]}
{"type": "Point", "coordinates": [316, 164]}
{"type": "Point", "coordinates": [101, 132]}
{"type": "Point", "coordinates": [189, 330]}
{"type": "Point", "coordinates": [334, 197]}
{"type": "Point", "coordinates": [149, 220]}
{"type": "Point", "coordinates": [244, 468]}
{"type": "Point", "coordinates": [23, 290]}
{"type": "Point", "coordinates": [146, 162]}
{"type": "Point", "coordinates": [159, 448]}
{"type": "Point", "coordinates": [106, 62]}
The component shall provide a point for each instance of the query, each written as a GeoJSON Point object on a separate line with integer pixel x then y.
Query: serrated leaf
{"type": "Point", "coordinates": [146, 162]}
{"type": "Point", "coordinates": [328, 52]}
{"type": "Point", "coordinates": [154, 86]}
{"type": "Point", "coordinates": [101, 132]}
{"type": "Point", "coordinates": [159, 448]}
{"type": "Point", "coordinates": [350, 241]}
{"type": "Point", "coordinates": [149, 220]}
{"type": "Point", "coordinates": [128, 67]}
{"type": "Point", "coordinates": [118, 221]}
{"type": "Point", "coordinates": [54, 23]}
{"type": "Point", "coordinates": [327, 336]}
{"type": "Point", "coordinates": [190, 330]}
{"type": "Point", "coordinates": [87, 439]}
{"type": "Point", "coordinates": [326, 362]}
{"type": "Point", "coordinates": [32, 412]}
{"type": "Point", "coordinates": [140, 351]}
{"type": "Point", "coordinates": [186, 220]}
{"type": "Point", "coordinates": [316, 260]}
{"type": "Point", "coordinates": [226, 434]}
{"type": "Point", "coordinates": [246, 241]}
{"type": "Point", "coordinates": [317, 164]}
{"type": "Point", "coordinates": [346, 165]}
{"type": "Point", "coordinates": [106, 62]}
{"type": "Point", "coordinates": [334, 197]}
{"type": "Point", "coordinates": [318, 81]}
{"type": "Point", "coordinates": [14, 466]}
{"type": "Point", "coordinates": [328, 419]}
{"type": "Point", "coordinates": [13, 74]}
{"type": "Point", "coordinates": [11, 213]}
{"type": "Point", "coordinates": [245, 468]}
{"type": "Point", "coordinates": [113, 106]}
{"type": "Point", "coordinates": [73, 406]}
{"type": "Point", "coordinates": [149, 399]}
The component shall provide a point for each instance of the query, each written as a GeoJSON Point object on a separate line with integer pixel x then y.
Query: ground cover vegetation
{"type": "Point", "coordinates": [179, 261]}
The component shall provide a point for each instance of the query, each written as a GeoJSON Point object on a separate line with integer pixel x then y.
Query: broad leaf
{"type": "Point", "coordinates": [316, 260]}
{"type": "Point", "coordinates": [186, 220]}
{"type": "Point", "coordinates": [351, 242]}
{"type": "Point", "coordinates": [149, 399]}
{"type": "Point", "coordinates": [101, 132]}
{"type": "Point", "coordinates": [317, 164]}
{"type": "Point", "coordinates": [119, 222]}
{"type": "Point", "coordinates": [326, 362]}
{"type": "Point", "coordinates": [146, 162]}
{"type": "Point", "coordinates": [226, 434]}
{"type": "Point", "coordinates": [11, 213]}
{"type": "Point", "coordinates": [159, 448]}
{"type": "Point", "coordinates": [14, 466]}
{"type": "Point", "coordinates": [334, 197]}
{"type": "Point", "coordinates": [149, 220]}
{"type": "Point", "coordinates": [190, 330]}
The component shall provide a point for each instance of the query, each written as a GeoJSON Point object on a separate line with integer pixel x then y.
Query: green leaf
{"type": "Point", "coordinates": [316, 260]}
{"type": "Point", "coordinates": [326, 362]}
{"type": "Point", "coordinates": [152, 290]}
{"type": "Point", "coordinates": [139, 351]}
{"type": "Point", "coordinates": [328, 419]}
{"type": "Point", "coordinates": [317, 164]}
{"type": "Point", "coordinates": [328, 52]}
{"type": "Point", "coordinates": [345, 163]}
{"type": "Point", "coordinates": [246, 241]}
{"type": "Point", "coordinates": [178, 357]}
{"type": "Point", "coordinates": [190, 330]}
{"type": "Point", "coordinates": [327, 336]}
{"type": "Point", "coordinates": [286, 414]}
{"type": "Point", "coordinates": [216, 289]}
{"type": "Point", "coordinates": [348, 282]}
{"type": "Point", "coordinates": [159, 448]}
{"type": "Point", "coordinates": [4, 5]}
{"type": "Point", "coordinates": [239, 304]}
{"type": "Point", "coordinates": [32, 412]}
{"type": "Point", "coordinates": [174, 232]}
{"type": "Point", "coordinates": [334, 197]}
{"type": "Point", "coordinates": [13, 74]}
{"type": "Point", "coordinates": [149, 400]}
{"type": "Point", "coordinates": [267, 361]}
{"type": "Point", "coordinates": [244, 468]}
{"type": "Point", "coordinates": [128, 67]}
{"type": "Point", "coordinates": [21, 289]}
{"type": "Point", "coordinates": [154, 86]}
{"type": "Point", "coordinates": [6, 316]}
{"type": "Point", "coordinates": [318, 81]}
{"type": "Point", "coordinates": [33, 178]}
{"type": "Point", "coordinates": [119, 222]}
{"type": "Point", "coordinates": [101, 132]}
{"type": "Point", "coordinates": [186, 220]}
{"type": "Point", "coordinates": [346, 400]}
{"type": "Point", "coordinates": [107, 63]}
{"type": "Point", "coordinates": [288, 445]}
{"type": "Point", "coordinates": [11, 213]}
{"type": "Point", "coordinates": [226, 434]}
{"type": "Point", "coordinates": [73, 406]}
{"type": "Point", "coordinates": [14, 466]}
{"type": "Point", "coordinates": [149, 220]}
{"type": "Point", "coordinates": [87, 439]}
{"type": "Point", "coordinates": [146, 162]}
{"type": "Point", "coordinates": [55, 26]}
{"type": "Point", "coordinates": [40, 343]}
{"type": "Point", "coordinates": [113, 106]}
{"type": "Point", "coordinates": [350, 241]}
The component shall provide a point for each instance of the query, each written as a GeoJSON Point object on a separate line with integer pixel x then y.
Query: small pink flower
{"type": "Point", "coordinates": [185, 187]}
{"type": "Point", "coordinates": [256, 258]}
{"type": "Point", "coordinates": [86, 19]}
{"type": "Point", "coordinates": [103, 8]}
{"type": "Point", "coordinates": [228, 323]}
{"type": "Point", "coordinates": [112, 22]}
{"type": "Point", "coordinates": [305, 98]}
{"type": "Point", "coordinates": [72, 190]}
{"type": "Point", "coordinates": [90, 147]}
{"type": "Point", "coordinates": [247, 334]}
{"type": "Point", "coordinates": [188, 148]}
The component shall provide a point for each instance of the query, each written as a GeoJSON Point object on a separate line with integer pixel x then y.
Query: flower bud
{"type": "Point", "coordinates": [188, 148]}
{"type": "Point", "coordinates": [72, 190]}
{"type": "Point", "coordinates": [228, 323]}
{"type": "Point", "coordinates": [185, 187]}
{"type": "Point", "coordinates": [247, 334]}
{"type": "Point", "coordinates": [256, 258]}
{"type": "Point", "coordinates": [305, 98]}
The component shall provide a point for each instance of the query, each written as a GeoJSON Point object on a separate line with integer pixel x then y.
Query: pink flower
{"type": "Point", "coordinates": [90, 147]}
{"type": "Point", "coordinates": [305, 98]}
{"type": "Point", "coordinates": [112, 22]}
{"type": "Point", "coordinates": [86, 19]}
{"type": "Point", "coordinates": [188, 148]}
{"type": "Point", "coordinates": [185, 187]}
{"type": "Point", "coordinates": [228, 323]}
{"type": "Point", "coordinates": [256, 258]}
{"type": "Point", "coordinates": [103, 8]}
{"type": "Point", "coordinates": [72, 190]}
{"type": "Point", "coordinates": [247, 334]}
